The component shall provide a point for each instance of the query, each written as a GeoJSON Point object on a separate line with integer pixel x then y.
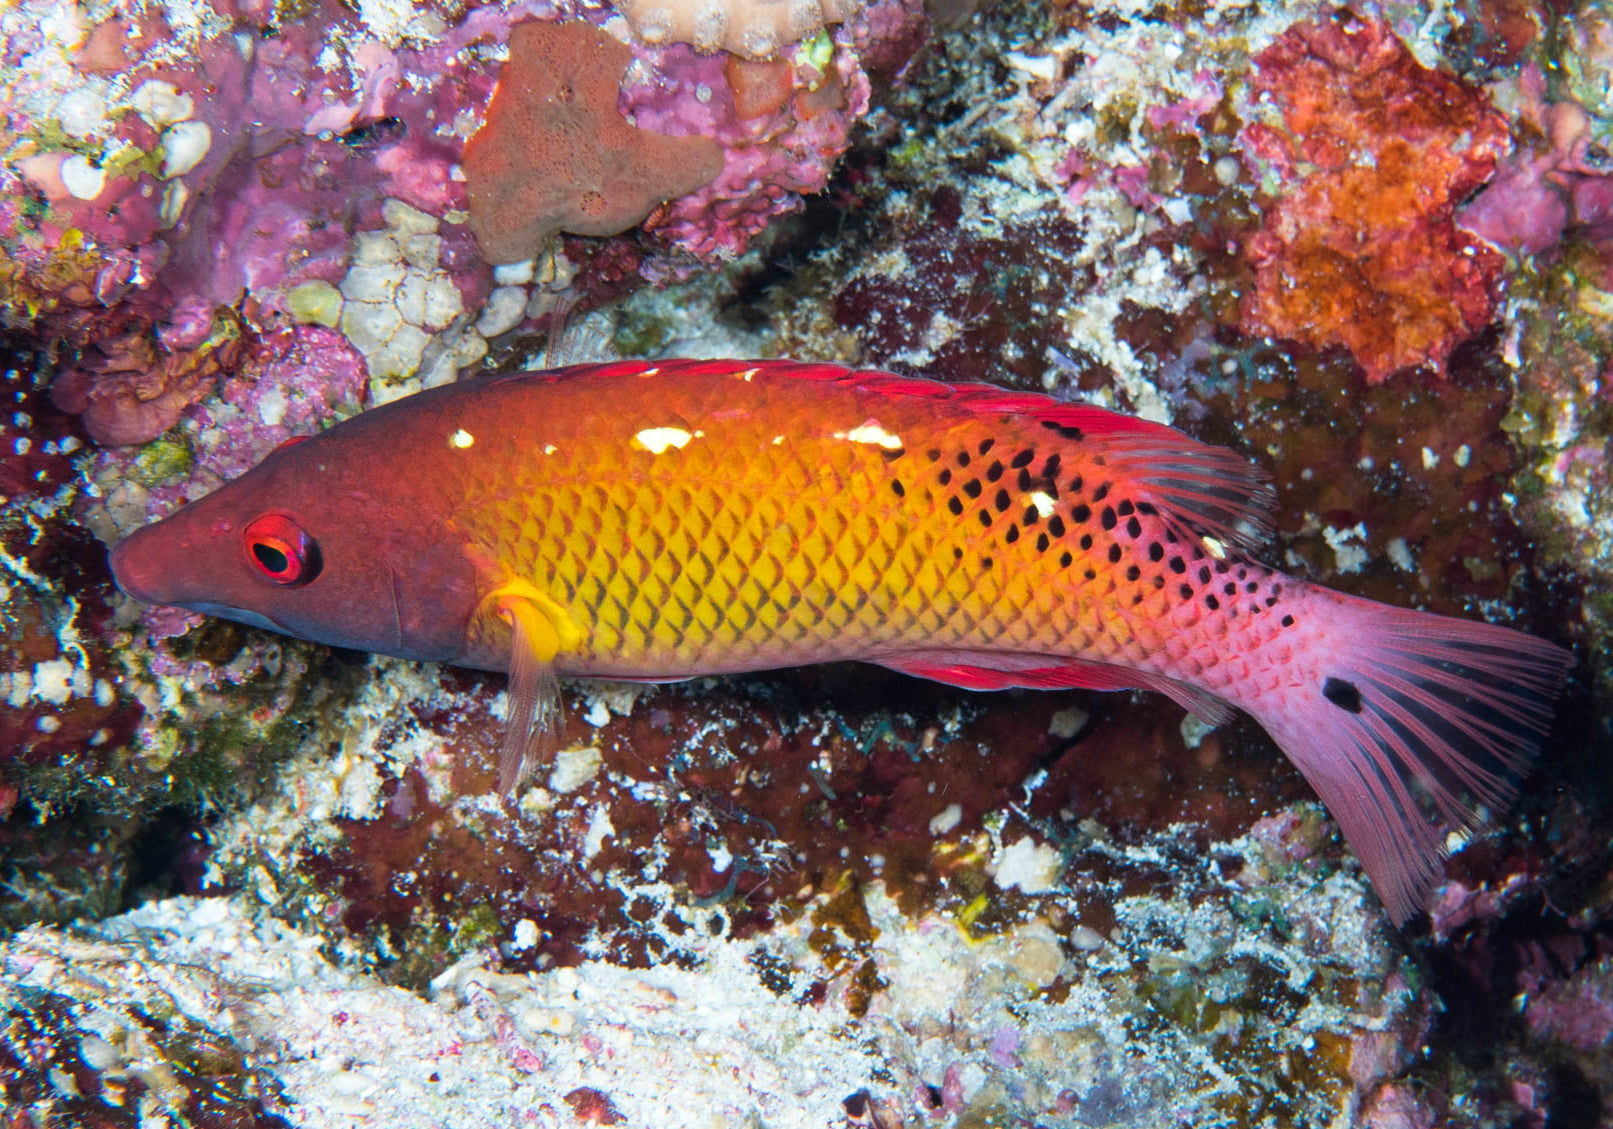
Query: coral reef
{"type": "Point", "coordinates": [110, 752]}
{"type": "Point", "coordinates": [831, 896]}
{"type": "Point", "coordinates": [1550, 207]}
{"type": "Point", "coordinates": [1269, 1012]}
{"type": "Point", "coordinates": [177, 188]}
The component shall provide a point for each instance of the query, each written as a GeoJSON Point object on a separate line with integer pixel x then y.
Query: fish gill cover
{"type": "Point", "coordinates": [868, 900]}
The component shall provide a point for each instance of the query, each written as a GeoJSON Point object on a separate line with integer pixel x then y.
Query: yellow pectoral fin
{"type": "Point", "coordinates": [540, 629]}
{"type": "Point", "coordinates": [540, 622]}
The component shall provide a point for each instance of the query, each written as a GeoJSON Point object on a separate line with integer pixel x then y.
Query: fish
{"type": "Point", "coordinates": [659, 521]}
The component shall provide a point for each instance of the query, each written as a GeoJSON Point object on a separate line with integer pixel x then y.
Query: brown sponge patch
{"type": "Point", "coordinates": [555, 153]}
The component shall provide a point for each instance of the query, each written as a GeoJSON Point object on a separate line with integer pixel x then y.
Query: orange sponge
{"type": "Point", "coordinates": [1362, 250]}
{"type": "Point", "coordinates": [555, 154]}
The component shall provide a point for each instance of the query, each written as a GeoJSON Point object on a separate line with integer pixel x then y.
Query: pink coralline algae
{"type": "Point", "coordinates": [240, 163]}
{"type": "Point", "coordinates": [132, 388]}
{"type": "Point", "coordinates": [306, 375]}
{"type": "Point", "coordinates": [1539, 194]}
{"type": "Point", "coordinates": [1374, 153]}
{"type": "Point", "coordinates": [301, 376]}
{"type": "Point", "coordinates": [782, 123]}
{"type": "Point", "coordinates": [1578, 1010]}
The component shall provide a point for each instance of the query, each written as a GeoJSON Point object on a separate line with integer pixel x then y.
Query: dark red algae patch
{"type": "Point", "coordinates": [62, 721]}
{"type": "Point", "coordinates": [764, 796]}
{"type": "Point", "coordinates": [742, 795]}
{"type": "Point", "coordinates": [937, 298]}
{"type": "Point", "coordinates": [1420, 466]}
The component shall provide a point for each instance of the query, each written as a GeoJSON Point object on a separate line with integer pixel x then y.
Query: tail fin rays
{"type": "Point", "coordinates": [1416, 725]}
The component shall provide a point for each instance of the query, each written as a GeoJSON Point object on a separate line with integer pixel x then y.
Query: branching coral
{"type": "Point", "coordinates": [555, 154]}
{"type": "Point", "coordinates": [1363, 252]}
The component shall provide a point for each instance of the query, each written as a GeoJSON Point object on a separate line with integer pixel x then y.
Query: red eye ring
{"type": "Point", "coordinates": [279, 551]}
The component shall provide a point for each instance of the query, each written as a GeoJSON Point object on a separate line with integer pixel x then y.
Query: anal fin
{"type": "Point", "coordinates": [990, 670]}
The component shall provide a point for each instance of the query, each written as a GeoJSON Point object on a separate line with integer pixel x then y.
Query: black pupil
{"type": "Point", "coordinates": [272, 559]}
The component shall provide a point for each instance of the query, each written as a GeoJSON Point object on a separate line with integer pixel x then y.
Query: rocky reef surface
{"type": "Point", "coordinates": [250, 881]}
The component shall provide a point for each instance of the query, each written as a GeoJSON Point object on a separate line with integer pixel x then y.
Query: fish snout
{"type": "Point", "coordinates": [140, 567]}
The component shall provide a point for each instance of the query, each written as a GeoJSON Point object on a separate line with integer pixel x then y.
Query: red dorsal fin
{"type": "Point", "coordinates": [1213, 491]}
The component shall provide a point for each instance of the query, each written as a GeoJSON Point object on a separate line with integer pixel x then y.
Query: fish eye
{"type": "Point", "coordinates": [280, 551]}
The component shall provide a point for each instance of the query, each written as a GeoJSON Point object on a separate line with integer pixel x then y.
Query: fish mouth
{"type": "Point", "coordinates": [239, 615]}
{"type": "Point", "coordinates": [134, 577]}
{"type": "Point", "coordinates": [143, 568]}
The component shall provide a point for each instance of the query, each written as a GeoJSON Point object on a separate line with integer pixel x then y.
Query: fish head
{"type": "Point", "coordinates": [314, 545]}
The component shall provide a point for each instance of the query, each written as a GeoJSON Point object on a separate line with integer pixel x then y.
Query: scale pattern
{"type": "Point", "coordinates": [823, 524]}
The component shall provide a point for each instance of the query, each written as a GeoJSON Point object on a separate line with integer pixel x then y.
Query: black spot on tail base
{"type": "Point", "coordinates": [1342, 694]}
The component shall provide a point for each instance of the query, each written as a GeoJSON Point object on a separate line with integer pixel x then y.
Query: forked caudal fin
{"type": "Point", "coordinates": [1414, 729]}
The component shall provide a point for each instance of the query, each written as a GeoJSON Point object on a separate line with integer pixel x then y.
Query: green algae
{"type": "Point", "coordinates": [167, 458]}
{"type": "Point", "coordinates": [478, 927]}
{"type": "Point", "coordinates": [1562, 423]}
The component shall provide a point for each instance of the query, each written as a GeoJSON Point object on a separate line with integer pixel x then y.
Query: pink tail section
{"type": "Point", "coordinates": [1413, 728]}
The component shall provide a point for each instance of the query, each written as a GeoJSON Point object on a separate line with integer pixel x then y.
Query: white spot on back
{"type": "Point", "coordinates": [869, 431]}
{"type": "Point", "coordinates": [659, 440]}
{"type": "Point", "coordinates": [1043, 503]}
{"type": "Point", "coordinates": [461, 440]}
